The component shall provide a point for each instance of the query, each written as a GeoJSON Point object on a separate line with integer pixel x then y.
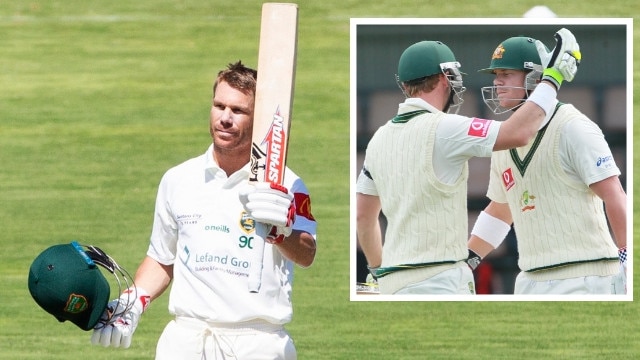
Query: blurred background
{"type": "Point", "coordinates": [599, 91]}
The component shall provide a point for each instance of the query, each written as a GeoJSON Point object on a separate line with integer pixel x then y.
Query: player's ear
{"type": "Point", "coordinates": [443, 79]}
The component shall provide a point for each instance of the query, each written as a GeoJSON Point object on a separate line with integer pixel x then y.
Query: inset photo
{"type": "Point", "coordinates": [491, 159]}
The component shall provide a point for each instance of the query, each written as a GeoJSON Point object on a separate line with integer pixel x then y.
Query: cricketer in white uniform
{"type": "Point", "coordinates": [203, 243]}
{"type": "Point", "coordinates": [552, 190]}
{"type": "Point", "coordinates": [415, 171]}
{"type": "Point", "coordinates": [203, 230]}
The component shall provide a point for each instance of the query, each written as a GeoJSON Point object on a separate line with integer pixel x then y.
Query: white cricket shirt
{"type": "Point", "coordinates": [558, 220]}
{"type": "Point", "coordinates": [417, 165]}
{"type": "Point", "coordinates": [202, 229]}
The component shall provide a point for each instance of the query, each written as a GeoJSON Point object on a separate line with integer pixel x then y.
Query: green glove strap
{"type": "Point", "coordinates": [553, 75]}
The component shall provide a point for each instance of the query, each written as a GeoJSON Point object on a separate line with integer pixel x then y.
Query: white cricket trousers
{"type": "Point", "coordinates": [456, 281]}
{"type": "Point", "coordinates": [595, 285]}
{"type": "Point", "coordinates": [193, 339]}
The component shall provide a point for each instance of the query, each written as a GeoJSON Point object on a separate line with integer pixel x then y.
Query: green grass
{"type": "Point", "coordinates": [99, 98]}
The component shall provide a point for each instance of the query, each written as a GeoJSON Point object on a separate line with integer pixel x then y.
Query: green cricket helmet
{"type": "Point", "coordinates": [515, 53]}
{"type": "Point", "coordinates": [426, 58]}
{"type": "Point", "coordinates": [65, 281]}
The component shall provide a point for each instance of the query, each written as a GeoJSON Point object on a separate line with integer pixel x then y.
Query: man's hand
{"type": "Point", "coordinates": [561, 64]}
{"type": "Point", "coordinates": [120, 319]}
{"type": "Point", "coordinates": [270, 204]}
{"type": "Point", "coordinates": [473, 260]}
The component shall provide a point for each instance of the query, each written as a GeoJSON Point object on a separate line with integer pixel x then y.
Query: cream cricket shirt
{"type": "Point", "coordinates": [201, 228]}
{"type": "Point", "coordinates": [417, 165]}
{"type": "Point", "coordinates": [558, 220]}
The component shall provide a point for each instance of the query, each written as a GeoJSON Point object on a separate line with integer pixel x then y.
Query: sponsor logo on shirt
{"type": "Point", "coordinates": [605, 162]}
{"type": "Point", "coordinates": [188, 219]}
{"type": "Point", "coordinates": [206, 262]}
{"type": "Point", "coordinates": [507, 179]}
{"type": "Point", "coordinates": [479, 127]}
{"type": "Point", "coordinates": [527, 201]}
{"type": "Point", "coordinates": [220, 228]}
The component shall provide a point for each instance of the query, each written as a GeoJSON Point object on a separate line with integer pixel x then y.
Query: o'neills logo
{"type": "Point", "coordinates": [276, 147]}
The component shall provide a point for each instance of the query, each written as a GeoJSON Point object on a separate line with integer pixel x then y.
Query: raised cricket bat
{"type": "Point", "coordinates": [272, 112]}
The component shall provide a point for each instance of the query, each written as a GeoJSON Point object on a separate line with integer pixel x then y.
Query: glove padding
{"type": "Point", "coordinates": [119, 321]}
{"type": "Point", "coordinates": [561, 64]}
{"type": "Point", "coordinates": [270, 204]}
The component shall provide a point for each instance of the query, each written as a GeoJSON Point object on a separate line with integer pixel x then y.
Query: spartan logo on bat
{"type": "Point", "coordinates": [269, 155]}
{"type": "Point", "coordinates": [256, 161]}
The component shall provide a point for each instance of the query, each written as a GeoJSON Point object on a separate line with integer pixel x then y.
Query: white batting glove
{"type": "Point", "coordinates": [622, 255]}
{"type": "Point", "coordinates": [561, 64]}
{"type": "Point", "coordinates": [118, 323]}
{"type": "Point", "coordinates": [270, 204]}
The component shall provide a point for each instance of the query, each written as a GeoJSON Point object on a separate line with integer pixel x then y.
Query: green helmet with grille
{"type": "Point", "coordinates": [423, 59]}
{"type": "Point", "coordinates": [516, 53]}
{"type": "Point", "coordinates": [426, 58]}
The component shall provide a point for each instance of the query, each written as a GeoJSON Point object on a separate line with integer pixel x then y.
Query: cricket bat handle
{"type": "Point", "coordinates": [255, 272]}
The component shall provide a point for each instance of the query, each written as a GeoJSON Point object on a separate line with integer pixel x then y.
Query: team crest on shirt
{"type": "Point", "coordinates": [527, 201]}
{"type": "Point", "coordinates": [247, 224]}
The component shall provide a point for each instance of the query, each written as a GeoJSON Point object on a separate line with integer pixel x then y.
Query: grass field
{"type": "Point", "coordinates": [99, 98]}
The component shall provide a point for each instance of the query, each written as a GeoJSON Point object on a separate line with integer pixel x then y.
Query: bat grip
{"type": "Point", "coordinates": [255, 272]}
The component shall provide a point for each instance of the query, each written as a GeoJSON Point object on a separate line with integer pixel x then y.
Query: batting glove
{"type": "Point", "coordinates": [622, 255]}
{"type": "Point", "coordinates": [473, 260]}
{"type": "Point", "coordinates": [120, 319]}
{"type": "Point", "coordinates": [371, 276]}
{"type": "Point", "coordinates": [270, 204]}
{"type": "Point", "coordinates": [561, 64]}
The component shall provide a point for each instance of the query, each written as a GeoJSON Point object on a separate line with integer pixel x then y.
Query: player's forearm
{"type": "Point", "coordinates": [491, 227]}
{"type": "Point", "coordinates": [615, 203]}
{"type": "Point", "coordinates": [520, 128]}
{"type": "Point", "coordinates": [479, 246]}
{"type": "Point", "coordinates": [617, 216]}
{"type": "Point", "coordinates": [524, 124]}
{"type": "Point", "coordinates": [368, 229]}
{"type": "Point", "coordinates": [370, 241]}
{"type": "Point", "coordinates": [153, 277]}
{"type": "Point", "coordinates": [299, 247]}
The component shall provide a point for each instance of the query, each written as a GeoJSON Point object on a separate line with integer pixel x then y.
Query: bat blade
{"type": "Point", "coordinates": [272, 111]}
{"type": "Point", "coordinates": [274, 91]}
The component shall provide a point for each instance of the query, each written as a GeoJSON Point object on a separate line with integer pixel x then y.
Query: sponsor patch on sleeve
{"type": "Point", "coordinates": [303, 205]}
{"type": "Point", "coordinates": [479, 127]}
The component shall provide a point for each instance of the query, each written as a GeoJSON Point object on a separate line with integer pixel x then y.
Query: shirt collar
{"type": "Point", "coordinates": [213, 171]}
{"type": "Point", "coordinates": [417, 102]}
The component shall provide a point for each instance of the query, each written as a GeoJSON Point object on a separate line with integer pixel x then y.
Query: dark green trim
{"type": "Point", "coordinates": [384, 271]}
{"type": "Point", "coordinates": [522, 164]}
{"type": "Point", "coordinates": [366, 172]}
{"type": "Point", "coordinates": [572, 263]}
{"type": "Point", "coordinates": [403, 118]}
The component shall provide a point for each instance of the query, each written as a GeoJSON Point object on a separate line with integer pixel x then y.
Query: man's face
{"type": "Point", "coordinates": [509, 87]}
{"type": "Point", "coordinates": [231, 120]}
